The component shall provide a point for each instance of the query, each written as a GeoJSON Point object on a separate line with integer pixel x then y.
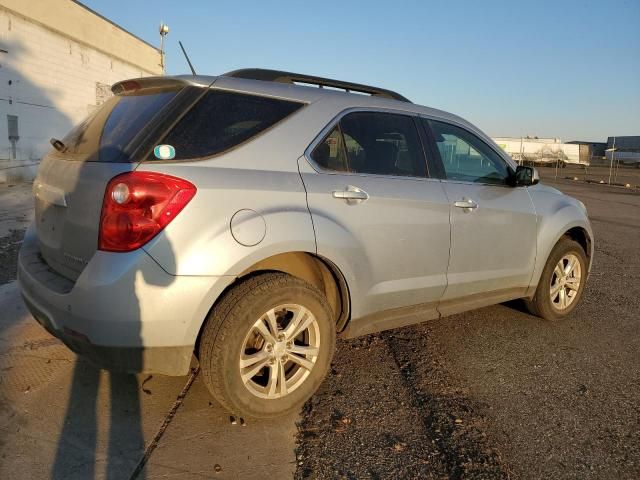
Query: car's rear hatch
{"type": "Point", "coordinates": [71, 180]}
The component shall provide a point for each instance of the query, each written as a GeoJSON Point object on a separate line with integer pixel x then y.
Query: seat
{"type": "Point", "coordinates": [381, 158]}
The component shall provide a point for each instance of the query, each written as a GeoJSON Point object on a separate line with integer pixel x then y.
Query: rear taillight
{"type": "Point", "coordinates": [137, 206]}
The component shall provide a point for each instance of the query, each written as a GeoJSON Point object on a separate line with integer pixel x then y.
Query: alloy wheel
{"type": "Point", "coordinates": [279, 351]}
{"type": "Point", "coordinates": [565, 282]}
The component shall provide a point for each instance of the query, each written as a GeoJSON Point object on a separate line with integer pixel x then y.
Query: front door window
{"type": "Point", "coordinates": [465, 157]}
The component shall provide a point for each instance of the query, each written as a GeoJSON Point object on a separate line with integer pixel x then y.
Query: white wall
{"type": "Point", "coordinates": [51, 82]}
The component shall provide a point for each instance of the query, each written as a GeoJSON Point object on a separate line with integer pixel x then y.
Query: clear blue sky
{"type": "Point", "coordinates": [564, 68]}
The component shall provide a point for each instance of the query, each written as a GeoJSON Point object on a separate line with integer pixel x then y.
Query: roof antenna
{"type": "Point", "coordinates": [187, 57]}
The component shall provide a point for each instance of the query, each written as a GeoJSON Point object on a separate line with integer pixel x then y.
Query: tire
{"type": "Point", "coordinates": [542, 304]}
{"type": "Point", "coordinates": [239, 328]}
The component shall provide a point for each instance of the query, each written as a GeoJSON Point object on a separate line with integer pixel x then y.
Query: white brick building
{"type": "Point", "coordinates": [57, 61]}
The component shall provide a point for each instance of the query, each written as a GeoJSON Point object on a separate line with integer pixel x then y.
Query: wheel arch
{"type": "Point", "coordinates": [564, 224]}
{"type": "Point", "coordinates": [314, 269]}
{"type": "Point", "coordinates": [580, 235]}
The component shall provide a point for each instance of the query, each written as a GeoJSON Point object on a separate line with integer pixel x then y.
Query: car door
{"type": "Point", "coordinates": [376, 213]}
{"type": "Point", "coordinates": [493, 224]}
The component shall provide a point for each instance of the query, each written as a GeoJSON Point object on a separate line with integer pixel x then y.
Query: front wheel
{"type": "Point", "coordinates": [562, 282]}
{"type": "Point", "coordinates": [267, 345]}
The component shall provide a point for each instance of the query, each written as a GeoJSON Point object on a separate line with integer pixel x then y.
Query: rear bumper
{"type": "Point", "coordinates": [124, 312]}
{"type": "Point", "coordinates": [165, 360]}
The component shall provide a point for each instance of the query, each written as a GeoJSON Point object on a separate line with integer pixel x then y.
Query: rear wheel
{"type": "Point", "coordinates": [562, 282]}
{"type": "Point", "coordinates": [267, 345]}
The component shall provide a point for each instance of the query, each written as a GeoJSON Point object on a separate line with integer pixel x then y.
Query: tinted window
{"type": "Point", "coordinates": [111, 127]}
{"type": "Point", "coordinates": [383, 144]}
{"type": "Point", "coordinates": [330, 152]}
{"type": "Point", "coordinates": [221, 120]}
{"type": "Point", "coordinates": [467, 158]}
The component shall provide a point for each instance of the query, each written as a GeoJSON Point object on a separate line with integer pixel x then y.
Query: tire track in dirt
{"type": "Point", "coordinates": [362, 422]}
{"type": "Point", "coordinates": [446, 410]}
{"type": "Point", "coordinates": [387, 410]}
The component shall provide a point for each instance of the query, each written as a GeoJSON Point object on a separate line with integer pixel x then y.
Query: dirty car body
{"type": "Point", "coordinates": [396, 213]}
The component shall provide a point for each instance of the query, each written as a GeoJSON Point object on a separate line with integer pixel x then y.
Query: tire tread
{"type": "Point", "coordinates": [538, 305]}
{"type": "Point", "coordinates": [224, 317]}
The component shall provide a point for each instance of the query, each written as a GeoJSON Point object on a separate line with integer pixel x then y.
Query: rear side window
{"type": "Point", "coordinates": [373, 142]}
{"type": "Point", "coordinates": [104, 135]}
{"type": "Point", "coordinates": [222, 120]}
{"type": "Point", "coordinates": [330, 153]}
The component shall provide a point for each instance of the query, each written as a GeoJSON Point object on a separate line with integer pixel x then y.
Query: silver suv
{"type": "Point", "coordinates": [249, 220]}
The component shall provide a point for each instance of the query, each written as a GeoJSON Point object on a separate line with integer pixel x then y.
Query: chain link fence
{"type": "Point", "coordinates": [599, 170]}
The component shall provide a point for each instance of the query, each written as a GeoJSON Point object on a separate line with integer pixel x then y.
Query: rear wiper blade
{"type": "Point", "coordinates": [58, 145]}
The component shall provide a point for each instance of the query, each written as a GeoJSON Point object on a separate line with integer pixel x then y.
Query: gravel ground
{"type": "Point", "coordinates": [9, 247]}
{"type": "Point", "coordinates": [422, 428]}
{"type": "Point", "coordinates": [16, 211]}
{"type": "Point", "coordinates": [496, 393]}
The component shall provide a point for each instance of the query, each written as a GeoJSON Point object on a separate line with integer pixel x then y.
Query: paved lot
{"type": "Point", "coordinates": [62, 418]}
{"type": "Point", "coordinates": [494, 393]}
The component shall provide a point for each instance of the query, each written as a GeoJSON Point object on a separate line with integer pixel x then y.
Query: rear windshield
{"type": "Point", "coordinates": [104, 135]}
{"type": "Point", "coordinates": [222, 120]}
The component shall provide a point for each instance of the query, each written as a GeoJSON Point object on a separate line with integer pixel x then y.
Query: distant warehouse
{"type": "Point", "coordinates": [625, 150]}
{"type": "Point", "coordinates": [550, 150]}
{"type": "Point", "coordinates": [58, 60]}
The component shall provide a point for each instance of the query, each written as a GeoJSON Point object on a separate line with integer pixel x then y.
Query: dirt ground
{"type": "Point", "coordinates": [620, 175]}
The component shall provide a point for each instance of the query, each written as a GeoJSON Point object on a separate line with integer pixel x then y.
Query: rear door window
{"type": "Point", "coordinates": [383, 144]}
{"type": "Point", "coordinates": [373, 142]}
{"type": "Point", "coordinates": [222, 120]}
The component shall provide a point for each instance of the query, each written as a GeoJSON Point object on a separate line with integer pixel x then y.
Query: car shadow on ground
{"type": "Point", "coordinates": [79, 441]}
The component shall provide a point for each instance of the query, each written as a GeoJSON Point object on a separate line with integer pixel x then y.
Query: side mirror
{"type": "Point", "coordinates": [525, 176]}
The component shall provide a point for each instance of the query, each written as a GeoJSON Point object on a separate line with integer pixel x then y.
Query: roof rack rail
{"type": "Point", "coordinates": [289, 77]}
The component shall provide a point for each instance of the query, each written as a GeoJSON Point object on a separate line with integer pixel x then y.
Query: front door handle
{"type": "Point", "coordinates": [466, 203]}
{"type": "Point", "coordinates": [350, 193]}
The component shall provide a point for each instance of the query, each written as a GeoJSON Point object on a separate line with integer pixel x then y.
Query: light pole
{"type": "Point", "coordinates": [164, 29]}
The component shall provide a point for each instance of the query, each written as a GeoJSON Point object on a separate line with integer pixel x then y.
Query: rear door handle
{"type": "Point", "coordinates": [466, 203]}
{"type": "Point", "coordinates": [350, 193]}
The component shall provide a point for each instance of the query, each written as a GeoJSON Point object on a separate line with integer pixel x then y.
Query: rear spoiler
{"type": "Point", "coordinates": [158, 84]}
